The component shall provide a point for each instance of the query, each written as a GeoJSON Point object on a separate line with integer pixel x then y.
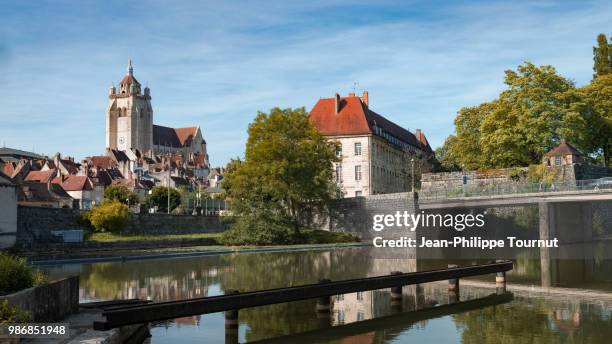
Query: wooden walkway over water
{"type": "Point", "coordinates": [232, 301]}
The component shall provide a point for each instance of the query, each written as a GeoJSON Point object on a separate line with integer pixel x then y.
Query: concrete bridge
{"type": "Point", "coordinates": [510, 200]}
{"type": "Point", "coordinates": [579, 219]}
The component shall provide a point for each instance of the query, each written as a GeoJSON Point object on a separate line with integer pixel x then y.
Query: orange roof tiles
{"type": "Point", "coordinates": [355, 118]}
{"type": "Point", "coordinates": [73, 183]}
{"type": "Point", "coordinates": [40, 176]}
{"type": "Point", "coordinates": [564, 148]}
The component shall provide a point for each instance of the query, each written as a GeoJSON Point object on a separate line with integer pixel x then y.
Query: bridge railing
{"type": "Point", "coordinates": [510, 188]}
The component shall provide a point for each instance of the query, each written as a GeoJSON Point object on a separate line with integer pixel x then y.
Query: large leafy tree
{"type": "Point", "coordinates": [531, 116]}
{"type": "Point", "coordinates": [286, 175]}
{"type": "Point", "coordinates": [597, 103]}
{"type": "Point", "coordinates": [602, 56]}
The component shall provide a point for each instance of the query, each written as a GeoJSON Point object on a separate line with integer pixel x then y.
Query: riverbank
{"type": "Point", "coordinates": [105, 246]}
{"type": "Point", "coordinates": [179, 252]}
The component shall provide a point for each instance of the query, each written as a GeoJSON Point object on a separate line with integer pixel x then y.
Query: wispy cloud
{"type": "Point", "coordinates": [216, 64]}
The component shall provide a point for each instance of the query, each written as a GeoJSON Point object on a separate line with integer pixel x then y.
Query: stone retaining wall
{"type": "Point", "coordinates": [35, 224]}
{"type": "Point", "coordinates": [356, 214]}
{"type": "Point", "coordinates": [48, 302]}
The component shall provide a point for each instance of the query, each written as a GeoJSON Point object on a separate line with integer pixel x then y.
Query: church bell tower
{"type": "Point", "coordinates": [129, 116]}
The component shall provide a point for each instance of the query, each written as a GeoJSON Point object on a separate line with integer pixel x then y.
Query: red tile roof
{"type": "Point", "coordinates": [355, 118]}
{"type": "Point", "coordinates": [102, 162]}
{"type": "Point", "coordinates": [564, 148]}
{"type": "Point", "coordinates": [9, 169]}
{"type": "Point", "coordinates": [40, 176]}
{"type": "Point", "coordinates": [74, 183]}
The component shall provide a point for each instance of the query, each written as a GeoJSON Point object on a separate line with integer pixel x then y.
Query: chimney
{"type": "Point", "coordinates": [365, 98]}
{"type": "Point", "coordinates": [351, 94]}
{"type": "Point", "coordinates": [337, 103]}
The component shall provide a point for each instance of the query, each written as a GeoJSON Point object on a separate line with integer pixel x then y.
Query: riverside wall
{"type": "Point", "coordinates": [36, 224]}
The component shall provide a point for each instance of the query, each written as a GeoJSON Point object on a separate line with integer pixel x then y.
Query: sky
{"type": "Point", "coordinates": [216, 64]}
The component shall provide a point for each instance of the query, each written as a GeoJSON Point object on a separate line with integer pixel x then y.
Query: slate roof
{"type": "Point", "coordinates": [173, 137]}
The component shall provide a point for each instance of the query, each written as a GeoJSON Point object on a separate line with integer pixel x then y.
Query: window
{"type": "Point", "coordinates": [341, 316]}
{"type": "Point", "coordinates": [360, 296]}
{"type": "Point", "coordinates": [358, 172]}
{"type": "Point", "coordinates": [339, 173]}
{"type": "Point", "coordinates": [358, 193]}
{"type": "Point", "coordinates": [557, 160]}
{"type": "Point", "coordinates": [360, 316]}
{"type": "Point", "coordinates": [339, 150]}
{"type": "Point", "coordinates": [357, 148]}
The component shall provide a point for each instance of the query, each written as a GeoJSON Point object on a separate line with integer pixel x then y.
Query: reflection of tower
{"type": "Point", "coordinates": [129, 116]}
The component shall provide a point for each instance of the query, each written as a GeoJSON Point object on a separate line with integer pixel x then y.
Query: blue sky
{"type": "Point", "coordinates": [215, 64]}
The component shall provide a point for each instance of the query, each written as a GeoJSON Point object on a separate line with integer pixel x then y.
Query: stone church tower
{"type": "Point", "coordinates": [129, 117]}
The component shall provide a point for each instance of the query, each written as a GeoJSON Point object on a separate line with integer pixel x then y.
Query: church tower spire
{"type": "Point", "coordinates": [130, 70]}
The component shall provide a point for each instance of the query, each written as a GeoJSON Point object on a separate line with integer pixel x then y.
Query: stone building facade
{"type": "Point", "coordinates": [129, 124]}
{"type": "Point", "coordinates": [377, 155]}
{"type": "Point", "coordinates": [8, 211]}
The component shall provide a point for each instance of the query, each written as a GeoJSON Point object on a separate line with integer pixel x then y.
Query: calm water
{"type": "Point", "coordinates": [360, 317]}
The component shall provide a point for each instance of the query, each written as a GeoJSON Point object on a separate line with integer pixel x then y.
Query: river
{"type": "Point", "coordinates": [521, 320]}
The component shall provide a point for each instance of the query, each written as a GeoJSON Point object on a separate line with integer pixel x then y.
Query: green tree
{"type": "Point", "coordinates": [602, 57]}
{"type": "Point", "coordinates": [109, 216]}
{"type": "Point", "coordinates": [445, 161]}
{"type": "Point", "coordinates": [159, 198]}
{"type": "Point", "coordinates": [120, 193]}
{"type": "Point", "coordinates": [538, 109]}
{"type": "Point", "coordinates": [286, 175]}
{"type": "Point", "coordinates": [598, 109]}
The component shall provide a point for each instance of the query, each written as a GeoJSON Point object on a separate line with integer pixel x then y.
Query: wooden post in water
{"type": "Point", "coordinates": [396, 294]}
{"type": "Point", "coordinates": [453, 287]}
{"type": "Point", "coordinates": [500, 281]}
{"type": "Point", "coordinates": [231, 323]}
{"type": "Point", "coordinates": [323, 303]}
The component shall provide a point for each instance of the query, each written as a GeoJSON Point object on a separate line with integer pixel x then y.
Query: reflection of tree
{"type": "Point", "coordinates": [275, 270]}
{"type": "Point", "coordinates": [533, 322]}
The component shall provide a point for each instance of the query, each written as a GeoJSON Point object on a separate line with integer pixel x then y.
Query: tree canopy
{"type": "Point", "coordinates": [537, 110]}
{"type": "Point", "coordinates": [120, 193]}
{"type": "Point", "coordinates": [159, 198]}
{"type": "Point", "coordinates": [286, 175]}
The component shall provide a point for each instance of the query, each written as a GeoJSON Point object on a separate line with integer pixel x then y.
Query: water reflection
{"type": "Point", "coordinates": [522, 320]}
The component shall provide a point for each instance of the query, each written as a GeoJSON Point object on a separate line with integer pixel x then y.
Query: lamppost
{"type": "Point", "coordinates": [412, 165]}
{"type": "Point", "coordinates": [168, 189]}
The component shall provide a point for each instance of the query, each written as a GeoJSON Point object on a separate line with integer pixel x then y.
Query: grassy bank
{"type": "Point", "coordinates": [116, 237]}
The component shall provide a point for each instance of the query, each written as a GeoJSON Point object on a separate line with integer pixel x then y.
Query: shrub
{"type": "Point", "coordinates": [109, 216]}
{"type": "Point", "coordinates": [257, 230]}
{"type": "Point", "coordinates": [16, 274]}
{"type": "Point", "coordinates": [10, 314]}
{"type": "Point", "coordinates": [318, 236]}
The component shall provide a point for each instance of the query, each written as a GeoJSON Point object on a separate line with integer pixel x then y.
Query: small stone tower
{"type": "Point", "coordinates": [129, 116]}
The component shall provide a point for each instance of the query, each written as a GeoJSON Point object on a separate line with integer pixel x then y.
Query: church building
{"type": "Point", "coordinates": [129, 124]}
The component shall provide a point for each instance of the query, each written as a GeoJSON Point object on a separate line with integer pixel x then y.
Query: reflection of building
{"type": "Point", "coordinates": [375, 152]}
{"type": "Point", "coordinates": [353, 307]}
